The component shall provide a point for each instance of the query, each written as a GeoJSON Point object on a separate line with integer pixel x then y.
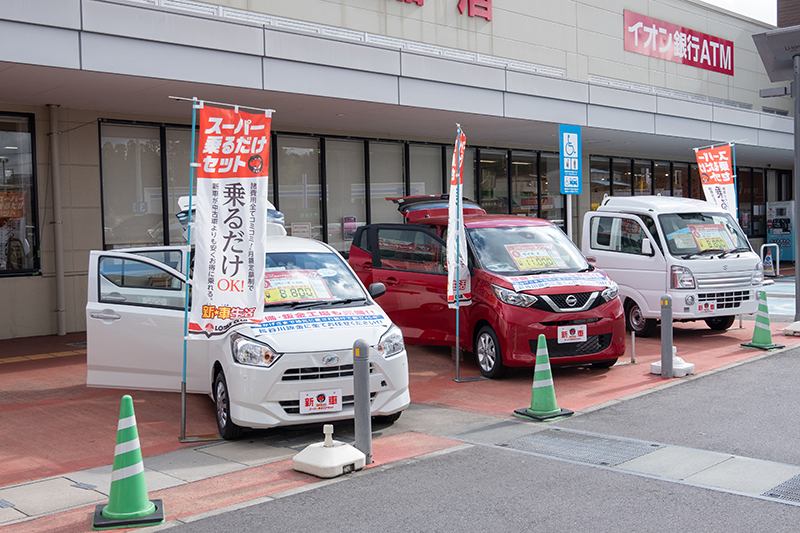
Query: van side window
{"type": "Point", "coordinates": [614, 234]}
{"type": "Point", "coordinates": [132, 282]}
{"type": "Point", "coordinates": [410, 249]}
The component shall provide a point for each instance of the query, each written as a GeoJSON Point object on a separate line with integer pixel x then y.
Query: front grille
{"type": "Point", "coordinates": [594, 344]}
{"type": "Point", "coordinates": [320, 372]}
{"type": "Point", "coordinates": [292, 407]}
{"type": "Point", "coordinates": [725, 300]}
{"type": "Point", "coordinates": [557, 303]}
{"type": "Point", "coordinates": [723, 281]}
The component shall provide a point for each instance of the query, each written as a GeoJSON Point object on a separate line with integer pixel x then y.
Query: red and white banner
{"type": "Point", "coordinates": [716, 175]}
{"type": "Point", "coordinates": [457, 267]}
{"type": "Point", "coordinates": [230, 239]}
{"type": "Point", "coordinates": [656, 38]}
{"type": "Point", "coordinates": [12, 204]}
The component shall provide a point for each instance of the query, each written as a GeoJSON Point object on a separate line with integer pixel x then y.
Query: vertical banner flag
{"type": "Point", "coordinates": [570, 137]}
{"type": "Point", "coordinates": [716, 175]}
{"type": "Point", "coordinates": [230, 242]}
{"type": "Point", "coordinates": [457, 268]}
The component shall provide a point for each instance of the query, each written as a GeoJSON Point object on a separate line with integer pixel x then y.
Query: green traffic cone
{"type": "Point", "coordinates": [543, 397]}
{"type": "Point", "coordinates": [128, 503]}
{"type": "Point", "coordinates": [762, 335]}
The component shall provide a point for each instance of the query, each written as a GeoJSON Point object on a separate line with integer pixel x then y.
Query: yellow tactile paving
{"type": "Point", "coordinates": [52, 355]}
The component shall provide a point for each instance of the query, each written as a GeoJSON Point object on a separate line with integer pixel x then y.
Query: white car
{"type": "Point", "coordinates": [294, 367]}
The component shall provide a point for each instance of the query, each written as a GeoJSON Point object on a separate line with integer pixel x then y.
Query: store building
{"type": "Point", "coordinates": [367, 94]}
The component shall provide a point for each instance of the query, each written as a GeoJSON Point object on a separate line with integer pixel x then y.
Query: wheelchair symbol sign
{"type": "Point", "coordinates": [570, 137]}
{"type": "Point", "coordinates": [570, 144]}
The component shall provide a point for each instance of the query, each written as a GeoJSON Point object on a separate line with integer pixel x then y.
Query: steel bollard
{"type": "Point", "coordinates": [666, 336]}
{"type": "Point", "coordinates": [363, 415]}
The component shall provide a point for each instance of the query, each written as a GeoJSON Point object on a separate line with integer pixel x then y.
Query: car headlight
{"type": "Point", "coordinates": [249, 352]}
{"type": "Point", "coordinates": [681, 278]}
{"type": "Point", "coordinates": [391, 342]}
{"type": "Point", "coordinates": [514, 298]}
{"type": "Point", "coordinates": [758, 275]}
{"type": "Point", "coordinates": [611, 292]}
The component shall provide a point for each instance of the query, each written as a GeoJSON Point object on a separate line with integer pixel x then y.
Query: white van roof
{"type": "Point", "coordinates": [657, 204]}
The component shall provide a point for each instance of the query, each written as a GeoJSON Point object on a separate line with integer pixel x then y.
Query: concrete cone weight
{"type": "Point", "coordinates": [543, 396]}
{"type": "Point", "coordinates": [762, 334]}
{"type": "Point", "coordinates": [128, 503]}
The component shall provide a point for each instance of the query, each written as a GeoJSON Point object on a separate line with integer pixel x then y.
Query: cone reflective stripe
{"type": "Point", "coordinates": [762, 334]}
{"type": "Point", "coordinates": [128, 503]}
{"type": "Point", "coordinates": [543, 396]}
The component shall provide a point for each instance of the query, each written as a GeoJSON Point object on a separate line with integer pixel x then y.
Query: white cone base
{"type": "Point", "coordinates": [793, 329]}
{"type": "Point", "coordinates": [680, 368]}
{"type": "Point", "coordinates": [323, 462]}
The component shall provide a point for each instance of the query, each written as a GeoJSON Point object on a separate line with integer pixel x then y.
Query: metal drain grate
{"type": "Point", "coordinates": [596, 450]}
{"type": "Point", "coordinates": [788, 490]}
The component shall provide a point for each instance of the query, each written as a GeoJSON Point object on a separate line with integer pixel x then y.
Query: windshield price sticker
{"type": "Point", "coordinates": [535, 256]}
{"type": "Point", "coordinates": [542, 281]}
{"type": "Point", "coordinates": [576, 333]}
{"type": "Point", "coordinates": [711, 236]}
{"type": "Point", "coordinates": [297, 285]}
{"type": "Point", "coordinates": [320, 401]}
{"type": "Point", "coordinates": [309, 320]}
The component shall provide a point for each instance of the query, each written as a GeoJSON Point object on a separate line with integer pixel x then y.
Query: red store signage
{"type": "Point", "coordinates": [656, 38]}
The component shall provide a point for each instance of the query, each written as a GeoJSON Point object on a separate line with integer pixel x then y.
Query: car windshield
{"type": "Point", "coordinates": [515, 250]}
{"type": "Point", "coordinates": [696, 234]}
{"type": "Point", "coordinates": [301, 279]}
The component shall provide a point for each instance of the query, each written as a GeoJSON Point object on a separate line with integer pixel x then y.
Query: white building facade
{"type": "Point", "coordinates": [367, 95]}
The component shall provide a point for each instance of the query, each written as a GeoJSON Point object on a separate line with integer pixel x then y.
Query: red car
{"type": "Point", "coordinates": [527, 278]}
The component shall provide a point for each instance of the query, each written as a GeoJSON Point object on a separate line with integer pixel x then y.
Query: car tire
{"type": "Point", "coordinates": [487, 349]}
{"type": "Point", "coordinates": [608, 363]}
{"type": "Point", "coordinates": [227, 429]}
{"type": "Point", "coordinates": [720, 323]}
{"type": "Point", "coordinates": [634, 321]}
{"type": "Point", "coordinates": [387, 419]}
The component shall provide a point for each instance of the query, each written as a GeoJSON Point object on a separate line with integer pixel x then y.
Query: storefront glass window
{"type": "Point", "coordinates": [179, 157]}
{"type": "Point", "coordinates": [494, 181]}
{"type": "Point", "coordinates": [347, 209]}
{"type": "Point", "coordinates": [524, 184]}
{"type": "Point", "coordinates": [19, 244]}
{"type": "Point", "coordinates": [642, 178]}
{"type": "Point", "coordinates": [744, 185]}
{"type": "Point", "coordinates": [386, 180]}
{"type": "Point", "coordinates": [759, 204]}
{"type": "Point", "coordinates": [599, 179]}
{"type": "Point", "coordinates": [425, 163]}
{"type": "Point", "coordinates": [132, 195]}
{"type": "Point", "coordinates": [552, 199]}
{"type": "Point", "coordinates": [622, 177]}
{"type": "Point", "coordinates": [695, 187]}
{"type": "Point", "coordinates": [299, 186]}
{"type": "Point", "coordinates": [680, 179]}
{"type": "Point", "coordinates": [661, 178]}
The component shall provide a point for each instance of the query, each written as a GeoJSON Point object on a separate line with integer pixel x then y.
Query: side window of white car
{"type": "Point", "coordinates": [614, 234]}
{"type": "Point", "coordinates": [132, 282]}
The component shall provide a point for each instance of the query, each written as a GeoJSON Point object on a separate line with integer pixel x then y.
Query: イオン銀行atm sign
{"type": "Point", "coordinates": [230, 243]}
{"type": "Point", "coordinates": [656, 38]}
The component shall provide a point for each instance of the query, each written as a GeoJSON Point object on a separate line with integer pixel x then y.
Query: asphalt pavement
{"type": "Point", "coordinates": [713, 452]}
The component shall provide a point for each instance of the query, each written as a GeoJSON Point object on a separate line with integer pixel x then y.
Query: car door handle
{"type": "Point", "coordinates": [113, 298]}
{"type": "Point", "coordinates": [105, 316]}
{"type": "Point", "coordinates": [367, 265]}
{"type": "Point", "coordinates": [391, 281]}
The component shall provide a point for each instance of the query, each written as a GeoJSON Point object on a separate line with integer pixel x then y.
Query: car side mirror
{"type": "Point", "coordinates": [647, 247]}
{"type": "Point", "coordinates": [377, 289]}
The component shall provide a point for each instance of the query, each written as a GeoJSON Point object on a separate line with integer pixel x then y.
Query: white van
{"type": "Point", "coordinates": [689, 249]}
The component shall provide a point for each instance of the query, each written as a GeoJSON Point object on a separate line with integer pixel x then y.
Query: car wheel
{"type": "Point", "coordinates": [388, 419]}
{"type": "Point", "coordinates": [634, 321]}
{"type": "Point", "coordinates": [720, 323]}
{"type": "Point", "coordinates": [490, 358]}
{"type": "Point", "coordinates": [227, 429]}
{"type": "Point", "coordinates": [604, 364]}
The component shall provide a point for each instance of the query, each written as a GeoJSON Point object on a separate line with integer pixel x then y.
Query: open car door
{"type": "Point", "coordinates": [135, 324]}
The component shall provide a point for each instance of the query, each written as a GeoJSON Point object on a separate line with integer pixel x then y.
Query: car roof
{"type": "Point", "coordinates": [296, 244]}
{"type": "Point", "coordinates": [657, 204]}
{"type": "Point", "coordinates": [488, 221]}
